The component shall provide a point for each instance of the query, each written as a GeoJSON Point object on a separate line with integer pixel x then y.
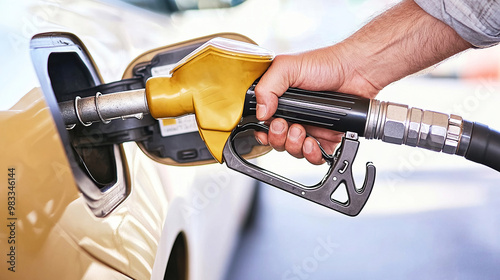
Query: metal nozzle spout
{"type": "Point", "coordinates": [104, 107]}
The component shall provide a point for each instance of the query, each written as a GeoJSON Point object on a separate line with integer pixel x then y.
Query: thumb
{"type": "Point", "coordinates": [272, 85]}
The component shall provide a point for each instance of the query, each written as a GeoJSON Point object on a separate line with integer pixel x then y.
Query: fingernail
{"type": "Point", "coordinates": [294, 133]}
{"type": "Point", "coordinates": [258, 140]}
{"type": "Point", "coordinates": [261, 111]}
{"type": "Point", "coordinates": [277, 127]}
{"type": "Point", "coordinates": [308, 147]}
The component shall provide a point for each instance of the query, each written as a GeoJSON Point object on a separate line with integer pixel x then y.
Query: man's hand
{"type": "Point", "coordinates": [316, 70]}
{"type": "Point", "coordinates": [401, 41]}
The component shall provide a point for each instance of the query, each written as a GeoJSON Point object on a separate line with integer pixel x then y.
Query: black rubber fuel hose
{"type": "Point", "coordinates": [484, 147]}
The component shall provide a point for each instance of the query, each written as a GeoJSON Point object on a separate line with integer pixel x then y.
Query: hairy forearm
{"type": "Point", "coordinates": [399, 42]}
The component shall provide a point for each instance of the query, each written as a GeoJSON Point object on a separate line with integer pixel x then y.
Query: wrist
{"type": "Point", "coordinates": [350, 62]}
{"type": "Point", "coordinates": [399, 42]}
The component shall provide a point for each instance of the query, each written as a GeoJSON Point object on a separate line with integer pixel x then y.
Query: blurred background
{"type": "Point", "coordinates": [431, 216]}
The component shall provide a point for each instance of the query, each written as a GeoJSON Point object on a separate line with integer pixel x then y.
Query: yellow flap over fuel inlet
{"type": "Point", "coordinates": [211, 82]}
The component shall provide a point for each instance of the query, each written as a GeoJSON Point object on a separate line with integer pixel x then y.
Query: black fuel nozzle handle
{"type": "Point", "coordinates": [390, 122]}
{"type": "Point", "coordinates": [339, 174]}
{"type": "Point", "coordinates": [332, 110]}
{"type": "Point", "coordinates": [336, 111]}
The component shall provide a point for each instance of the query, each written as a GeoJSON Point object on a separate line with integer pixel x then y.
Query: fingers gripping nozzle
{"type": "Point", "coordinates": [339, 174]}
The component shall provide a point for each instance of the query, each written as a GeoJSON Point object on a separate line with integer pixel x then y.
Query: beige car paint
{"type": "Point", "coordinates": [57, 236]}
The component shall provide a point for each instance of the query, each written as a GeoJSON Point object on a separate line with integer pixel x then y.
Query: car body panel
{"type": "Point", "coordinates": [57, 235]}
{"type": "Point", "coordinates": [42, 198]}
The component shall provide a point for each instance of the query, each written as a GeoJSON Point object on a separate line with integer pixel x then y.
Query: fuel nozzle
{"type": "Point", "coordinates": [210, 83]}
{"type": "Point", "coordinates": [215, 81]}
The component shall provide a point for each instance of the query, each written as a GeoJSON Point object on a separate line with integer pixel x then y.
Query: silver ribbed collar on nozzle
{"type": "Point", "coordinates": [399, 124]}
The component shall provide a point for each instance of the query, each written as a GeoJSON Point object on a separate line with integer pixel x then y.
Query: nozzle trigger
{"type": "Point", "coordinates": [339, 173]}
